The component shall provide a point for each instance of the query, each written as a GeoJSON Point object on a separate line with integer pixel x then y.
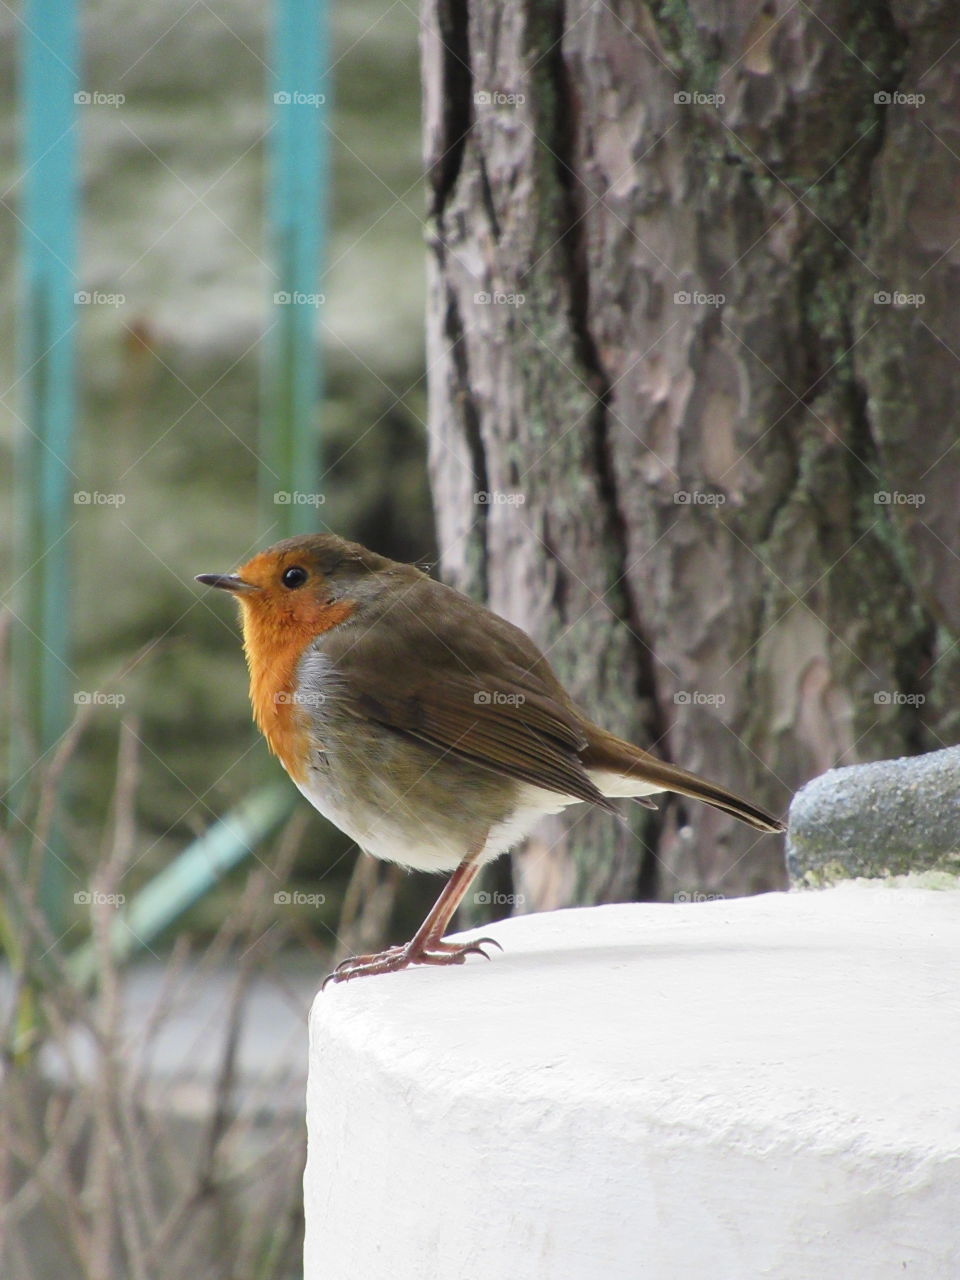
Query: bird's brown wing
{"type": "Point", "coordinates": [431, 664]}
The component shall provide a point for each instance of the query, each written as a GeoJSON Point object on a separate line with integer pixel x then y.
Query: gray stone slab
{"type": "Point", "coordinates": [889, 818]}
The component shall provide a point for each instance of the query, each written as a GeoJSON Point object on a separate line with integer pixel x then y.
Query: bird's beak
{"type": "Point", "coordinates": [227, 581]}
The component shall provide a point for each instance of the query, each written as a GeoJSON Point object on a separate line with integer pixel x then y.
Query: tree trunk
{"type": "Point", "coordinates": [720, 474]}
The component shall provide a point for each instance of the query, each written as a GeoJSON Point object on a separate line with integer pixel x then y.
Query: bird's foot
{"type": "Point", "coordinates": [432, 951]}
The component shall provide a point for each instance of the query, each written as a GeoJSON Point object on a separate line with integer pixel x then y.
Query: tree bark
{"type": "Point", "coordinates": [721, 473]}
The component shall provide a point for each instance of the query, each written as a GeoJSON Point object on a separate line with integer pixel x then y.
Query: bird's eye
{"type": "Point", "coordinates": [294, 577]}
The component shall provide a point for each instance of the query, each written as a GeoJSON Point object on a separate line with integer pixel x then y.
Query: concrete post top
{"type": "Point", "coordinates": [818, 1010]}
{"type": "Point", "coordinates": [774, 1077]}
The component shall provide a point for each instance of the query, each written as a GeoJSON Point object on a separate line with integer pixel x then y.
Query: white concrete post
{"type": "Point", "coordinates": [764, 1087]}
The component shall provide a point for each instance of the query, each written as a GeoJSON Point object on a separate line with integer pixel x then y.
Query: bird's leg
{"type": "Point", "coordinates": [427, 945]}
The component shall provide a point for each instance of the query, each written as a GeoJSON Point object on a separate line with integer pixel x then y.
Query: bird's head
{"type": "Point", "coordinates": [299, 588]}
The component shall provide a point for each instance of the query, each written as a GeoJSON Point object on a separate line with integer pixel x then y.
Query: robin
{"type": "Point", "coordinates": [430, 730]}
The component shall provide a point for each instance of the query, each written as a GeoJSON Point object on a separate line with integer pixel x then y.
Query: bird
{"type": "Point", "coordinates": [430, 730]}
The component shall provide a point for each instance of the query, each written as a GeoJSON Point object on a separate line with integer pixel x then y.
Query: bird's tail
{"type": "Point", "coordinates": [608, 754]}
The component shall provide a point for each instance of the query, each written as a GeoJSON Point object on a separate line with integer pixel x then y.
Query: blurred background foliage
{"type": "Point", "coordinates": [173, 221]}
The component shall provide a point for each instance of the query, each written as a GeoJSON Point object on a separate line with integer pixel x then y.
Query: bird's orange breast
{"type": "Point", "coordinates": [274, 645]}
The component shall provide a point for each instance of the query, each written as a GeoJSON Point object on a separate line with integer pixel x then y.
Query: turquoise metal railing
{"type": "Point", "coordinates": [40, 637]}
{"type": "Point", "coordinates": [297, 178]}
{"type": "Point", "coordinates": [289, 445]}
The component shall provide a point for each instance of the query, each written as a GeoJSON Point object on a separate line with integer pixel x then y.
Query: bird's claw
{"type": "Point", "coordinates": [393, 959]}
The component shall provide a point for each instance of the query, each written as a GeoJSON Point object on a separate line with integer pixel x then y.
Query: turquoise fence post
{"type": "Point", "coordinates": [44, 477]}
{"type": "Point", "coordinates": [297, 176]}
